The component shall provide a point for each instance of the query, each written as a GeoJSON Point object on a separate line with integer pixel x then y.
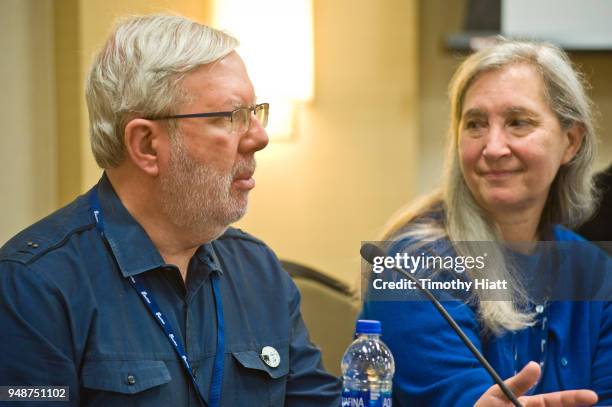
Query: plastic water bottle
{"type": "Point", "coordinates": [367, 369]}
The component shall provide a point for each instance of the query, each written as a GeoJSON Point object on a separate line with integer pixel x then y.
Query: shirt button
{"type": "Point", "coordinates": [539, 309]}
{"type": "Point", "coordinates": [195, 372]}
{"type": "Point", "coordinates": [564, 362]}
{"type": "Point", "coordinates": [131, 380]}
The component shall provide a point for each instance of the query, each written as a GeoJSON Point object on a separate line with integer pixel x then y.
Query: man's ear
{"type": "Point", "coordinates": [143, 140]}
{"type": "Point", "coordinates": [575, 136]}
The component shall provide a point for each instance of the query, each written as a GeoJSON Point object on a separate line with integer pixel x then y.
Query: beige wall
{"type": "Point", "coordinates": [27, 139]}
{"type": "Point", "coordinates": [68, 99]}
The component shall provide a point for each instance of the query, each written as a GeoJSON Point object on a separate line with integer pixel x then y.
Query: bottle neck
{"type": "Point", "coordinates": [368, 336]}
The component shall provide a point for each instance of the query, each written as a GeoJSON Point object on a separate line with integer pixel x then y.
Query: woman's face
{"type": "Point", "coordinates": [511, 144]}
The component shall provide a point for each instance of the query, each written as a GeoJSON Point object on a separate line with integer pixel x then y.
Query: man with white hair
{"type": "Point", "coordinates": [138, 293]}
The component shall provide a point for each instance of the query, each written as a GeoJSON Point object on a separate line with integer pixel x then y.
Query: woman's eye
{"type": "Point", "coordinates": [519, 123]}
{"type": "Point", "coordinates": [475, 128]}
{"type": "Point", "coordinates": [473, 124]}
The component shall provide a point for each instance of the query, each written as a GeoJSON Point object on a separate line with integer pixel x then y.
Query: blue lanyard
{"type": "Point", "coordinates": [149, 301]}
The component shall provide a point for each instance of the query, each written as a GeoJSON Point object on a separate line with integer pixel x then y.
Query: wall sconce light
{"type": "Point", "coordinates": [276, 43]}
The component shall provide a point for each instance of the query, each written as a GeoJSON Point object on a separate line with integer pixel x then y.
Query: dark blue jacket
{"type": "Point", "coordinates": [69, 317]}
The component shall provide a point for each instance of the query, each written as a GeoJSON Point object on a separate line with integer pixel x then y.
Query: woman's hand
{"type": "Point", "coordinates": [523, 381]}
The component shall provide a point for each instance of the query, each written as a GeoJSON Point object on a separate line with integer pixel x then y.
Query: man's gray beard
{"type": "Point", "coordinates": [197, 198]}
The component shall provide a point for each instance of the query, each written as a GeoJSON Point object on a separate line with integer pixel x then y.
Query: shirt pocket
{"type": "Point", "coordinates": [128, 383]}
{"type": "Point", "coordinates": [262, 384]}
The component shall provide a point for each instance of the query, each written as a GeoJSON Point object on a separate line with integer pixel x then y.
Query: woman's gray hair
{"type": "Point", "coordinates": [138, 71]}
{"type": "Point", "coordinates": [571, 198]}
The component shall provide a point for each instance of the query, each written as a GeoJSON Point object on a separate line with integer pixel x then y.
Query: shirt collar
{"type": "Point", "coordinates": [206, 254]}
{"type": "Point", "coordinates": [134, 251]}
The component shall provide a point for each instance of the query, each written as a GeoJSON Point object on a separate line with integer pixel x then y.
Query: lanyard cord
{"type": "Point", "coordinates": [155, 311]}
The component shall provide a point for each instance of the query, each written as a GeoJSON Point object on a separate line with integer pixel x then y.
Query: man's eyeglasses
{"type": "Point", "coordinates": [240, 118]}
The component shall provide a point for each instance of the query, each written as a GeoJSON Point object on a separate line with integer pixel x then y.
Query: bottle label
{"type": "Point", "coordinates": [361, 398]}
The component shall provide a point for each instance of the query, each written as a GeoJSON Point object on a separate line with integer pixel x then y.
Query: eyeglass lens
{"type": "Point", "coordinates": [241, 118]}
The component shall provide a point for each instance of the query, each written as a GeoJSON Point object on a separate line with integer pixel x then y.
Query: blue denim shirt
{"type": "Point", "coordinates": [70, 317]}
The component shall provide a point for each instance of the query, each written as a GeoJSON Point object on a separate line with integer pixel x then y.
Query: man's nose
{"type": "Point", "coordinates": [255, 138]}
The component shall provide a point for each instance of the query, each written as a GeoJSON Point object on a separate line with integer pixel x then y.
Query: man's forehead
{"type": "Point", "coordinates": [229, 64]}
{"type": "Point", "coordinates": [224, 80]}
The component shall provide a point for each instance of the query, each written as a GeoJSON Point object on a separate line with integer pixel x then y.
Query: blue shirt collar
{"type": "Point", "coordinates": [133, 249]}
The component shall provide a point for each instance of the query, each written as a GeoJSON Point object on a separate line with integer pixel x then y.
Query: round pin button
{"type": "Point", "coordinates": [270, 356]}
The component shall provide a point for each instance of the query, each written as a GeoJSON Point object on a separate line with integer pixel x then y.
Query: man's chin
{"type": "Point", "coordinates": [238, 214]}
{"type": "Point", "coordinates": [230, 218]}
{"type": "Point", "coordinates": [238, 207]}
{"type": "Point", "coordinates": [218, 221]}
{"type": "Point", "coordinates": [232, 215]}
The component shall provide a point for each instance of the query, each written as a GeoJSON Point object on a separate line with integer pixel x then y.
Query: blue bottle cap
{"type": "Point", "coordinates": [367, 326]}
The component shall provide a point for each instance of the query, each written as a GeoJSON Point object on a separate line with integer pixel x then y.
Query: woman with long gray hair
{"type": "Point", "coordinates": [521, 149]}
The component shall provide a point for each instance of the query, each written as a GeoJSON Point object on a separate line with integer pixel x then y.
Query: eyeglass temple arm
{"type": "Point", "coordinates": [185, 116]}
